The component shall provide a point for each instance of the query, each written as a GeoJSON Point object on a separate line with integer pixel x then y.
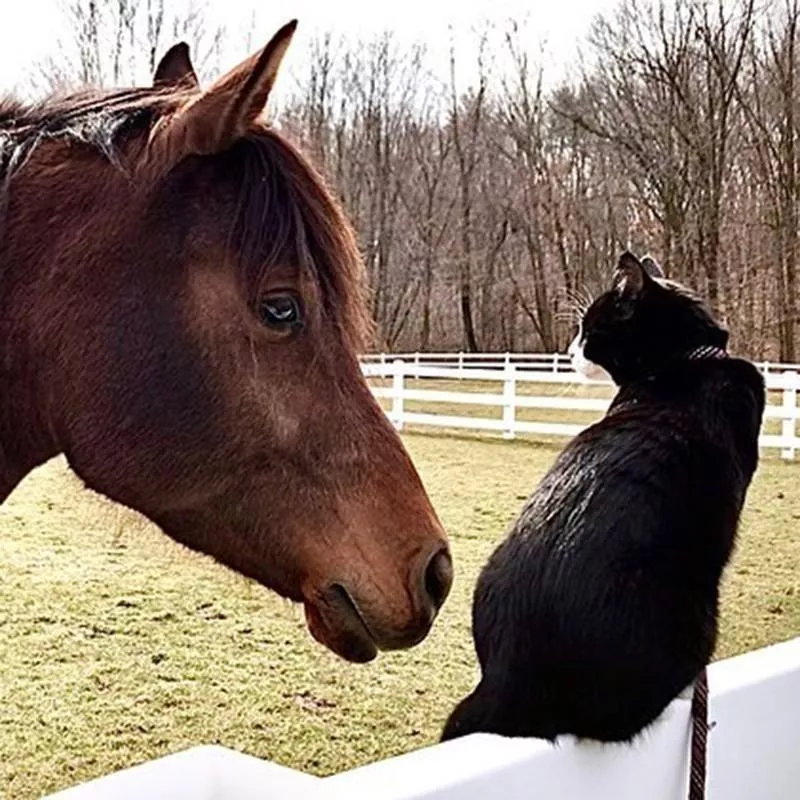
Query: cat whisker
{"type": "Point", "coordinates": [580, 295]}
{"type": "Point", "coordinates": [573, 297]}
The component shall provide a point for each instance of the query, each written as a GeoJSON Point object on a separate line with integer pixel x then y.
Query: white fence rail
{"type": "Point", "coordinates": [754, 742]}
{"type": "Point", "coordinates": [540, 362]}
{"type": "Point", "coordinates": [506, 399]}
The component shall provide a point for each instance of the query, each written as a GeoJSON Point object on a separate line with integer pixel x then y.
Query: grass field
{"type": "Point", "coordinates": [118, 646]}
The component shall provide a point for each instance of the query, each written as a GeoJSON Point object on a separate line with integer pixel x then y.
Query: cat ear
{"type": "Point", "coordinates": [652, 268]}
{"type": "Point", "coordinates": [630, 275]}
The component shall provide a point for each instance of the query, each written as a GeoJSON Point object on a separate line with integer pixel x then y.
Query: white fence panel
{"type": "Point", "coordinates": [208, 772]}
{"type": "Point", "coordinates": [504, 403]}
{"type": "Point", "coordinates": [555, 362]}
{"type": "Point", "coordinates": [754, 751]}
{"type": "Point", "coordinates": [481, 767]}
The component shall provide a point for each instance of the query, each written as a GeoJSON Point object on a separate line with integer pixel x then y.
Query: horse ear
{"type": "Point", "coordinates": [176, 67]}
{"type": "Point", "coordinates": [630, 275]}
{"type": "Point", "coordinates": [652, 267]}
{"type": "Point", "coordinates": [225, 111]}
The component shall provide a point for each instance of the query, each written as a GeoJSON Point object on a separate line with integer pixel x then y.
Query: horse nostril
{"type": "Point", "coordinates": [439, 577]}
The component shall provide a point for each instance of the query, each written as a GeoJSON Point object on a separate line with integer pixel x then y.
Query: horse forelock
{"type": "Point", "coordinates": [286, 214]}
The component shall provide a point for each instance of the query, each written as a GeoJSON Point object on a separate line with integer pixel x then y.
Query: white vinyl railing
{"type": "Point", "coordinates": [541, 362]}
{"type": "Point", "coordinates": [753, 747]}
{"type": "Point", "coordinates": [553, 362]}
{"type": "Point", "coordinates": [504, 398]}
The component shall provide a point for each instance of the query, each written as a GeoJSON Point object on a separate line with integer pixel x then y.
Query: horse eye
{"type": "Point", "coordinates": [281, 311]}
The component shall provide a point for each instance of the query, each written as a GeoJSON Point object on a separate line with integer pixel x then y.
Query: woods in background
{"type": "Point", "coordinates": [488, 208]}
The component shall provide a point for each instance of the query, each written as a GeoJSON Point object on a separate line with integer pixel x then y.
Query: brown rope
{"type": "Point", "coordinates": [697, 775]}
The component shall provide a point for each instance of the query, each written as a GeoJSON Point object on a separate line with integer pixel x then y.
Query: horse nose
{"type": "Point", "coordinates": [437, 578]}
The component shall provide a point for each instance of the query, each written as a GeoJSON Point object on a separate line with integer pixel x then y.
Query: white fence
{"type": "Point", "coordinates": [754, 742]}
{"type": "Point", "coordinates": [541, 362]}
{"type": "Point", "coordinates": [506, 373]}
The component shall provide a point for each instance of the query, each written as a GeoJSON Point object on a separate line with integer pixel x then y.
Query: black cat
{"type": "Point", "coordinates": [601, 605]}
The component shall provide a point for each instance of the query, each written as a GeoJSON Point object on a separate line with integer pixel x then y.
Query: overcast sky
{"type": "Point", "coordinates": [31, 29]}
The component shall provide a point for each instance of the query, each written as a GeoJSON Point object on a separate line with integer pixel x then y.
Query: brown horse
{"type": "Point", "coordinates": [181, 309]}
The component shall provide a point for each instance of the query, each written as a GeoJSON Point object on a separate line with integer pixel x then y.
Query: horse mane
{"type": "Point", "coordinates": [285, 212]}
{"type": "Point", "coordinates": [95, 118]}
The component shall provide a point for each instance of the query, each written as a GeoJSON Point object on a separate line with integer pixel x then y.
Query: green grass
{"type": "Point", "coordinates": [119, 646]}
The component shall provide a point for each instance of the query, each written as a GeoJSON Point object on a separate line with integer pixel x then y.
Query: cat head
{"type": "Point", "coordinates": [642, 324]}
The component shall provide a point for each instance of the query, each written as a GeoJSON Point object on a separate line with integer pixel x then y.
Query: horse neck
{"type": "Point", "coordinates": [26, 440]}
{"type": "Point", "coordinates": [26, 434]}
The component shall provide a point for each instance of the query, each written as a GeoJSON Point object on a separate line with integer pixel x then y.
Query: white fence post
{"type": "Point", "coordinates": [509, 401]}
{"type": "Point", "coordinates": [398, 387]}
{"type": "Point", "coordinates": [416, 364]}
{"type": "Point", "coordinates": [789, 408]}
{"type": "Point", "coordinates": [555, 362]}
{"type": "Point", "coordinates": [460, 364]}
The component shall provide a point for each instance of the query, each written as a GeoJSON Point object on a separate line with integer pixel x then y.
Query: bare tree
{"type": "Point", "coordinates": [487, 207]}
{"type": "Point", "coordinates": [770, 102]}
{"type": "Point", "coordinates": [119, 42]}
{"type": "Point", "coordinates": [466, 116]}
{"type": "Point", "coordinates": [427, 202]}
